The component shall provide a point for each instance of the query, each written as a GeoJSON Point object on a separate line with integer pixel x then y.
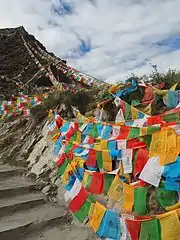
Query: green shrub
{"type": "Point", "coordinates": [82, 100]}
{"type": "Point", "coordinates": [170, 77]}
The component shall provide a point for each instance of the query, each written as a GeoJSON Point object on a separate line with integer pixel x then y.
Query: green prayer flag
{"type": "Point", "coordinates": [82, 214]}
{"type": "Point", "coordinates": [134, 132]}
{"type": "Point", "coordinates": [165, 197]}
{"type": "Point", "coordinates": [74, 136]}
{"type": "Point", "coordinates": [150, 230]}
{"type": "Point", "coordinates": [152, 129]}
{"type": "Point", "coordinates": [140, 201]}
{"type": "Point", "coordinates": [173, 117]}
{"type": "Point", "coordinates": [147, 139]}
{"type": "Point", "coordinates": [94, 131]}
{"type": "Point", "coordinates": [127, 111]}
{"type": "Point", "coordinates": [62, 168]}
{"type": "Point", "coordinates": [108, 179]}
{"type": "Point", "coordinates": [88, 183]}
{"type": "Point", "coordinates": [99, 159]}
{"type": "Point", "coordinates": [68, 147]}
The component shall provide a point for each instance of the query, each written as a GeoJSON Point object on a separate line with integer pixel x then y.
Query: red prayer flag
{"type": "Point", "coordinates": [61, 160]}
{"type": "Point", "coordinates": [78, 201]}
{"type": "Point", "coordinates": [59, 122]}
{"type": "Point", "coordinates": [134, 228]}
{"type": "Point", "coordinates": [91, 160]}
{"type": "Point", "coordinates": [76, 125]}
{"type": "Point", "coordinates": [130, 143]}
{"type": "Point", "coordinates": [70, 155]}
{"type": "Point", "coordinates": [124, 132]}
{"type": "Point", "coordinates": [154, 120]}
{"type": "Point", "coordinates": [149, 95]}
{"type": "Point", "coordinates": [69, 133]}
{"type": "Point", "coordinates": [91, 140]}
{"type": "Point", "coordinates": [140, 161]}
{"type": "Point", "coordinates": [139, 145]}
{"type": "Point", "coordinates": [96, 185]}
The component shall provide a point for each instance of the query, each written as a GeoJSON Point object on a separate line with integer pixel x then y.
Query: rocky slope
{"type": "Point", "coordinates": [24, 141]}
{"type": "Point", "coordinates": [24, 64]}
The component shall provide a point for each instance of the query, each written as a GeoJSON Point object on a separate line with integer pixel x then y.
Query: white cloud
{"type": "Point", "coordinates": [123, 34]}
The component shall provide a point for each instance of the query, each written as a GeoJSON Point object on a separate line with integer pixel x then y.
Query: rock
{"type": "Point", "coordinates": [46, 189]}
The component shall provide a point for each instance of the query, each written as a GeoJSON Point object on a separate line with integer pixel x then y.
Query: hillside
{"type": "Point", "coordinates": [25, 64]}
{"type": "Point", "coordinates": [109, 154]}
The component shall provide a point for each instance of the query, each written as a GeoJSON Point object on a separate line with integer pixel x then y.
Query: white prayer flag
{"type": "Point", "coordinates": [69, 195]}
{"type": "Point", "coordinates": [120, 116]}
{"type": "Point", "coordinates": [125, 235]}
{"type": "Point", "coordinates": [152, 171]}
{"type": "Point", "coordinates": [117, 101]}
{"type": "Point", "coordinates": [139, 122]}
{"type": "Point", "coordinates": [126, 157]}
{"type": "Point", "coordinates": [121, 144]}
{"type": "Point", "coordinates": [116, 131]}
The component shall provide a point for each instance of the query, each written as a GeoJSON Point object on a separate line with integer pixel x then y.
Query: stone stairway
{"type": "Point", "coordinates": [25, 213]}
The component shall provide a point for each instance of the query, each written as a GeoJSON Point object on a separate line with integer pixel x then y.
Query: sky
{"type": "Point", "coordinates": [108, 39]}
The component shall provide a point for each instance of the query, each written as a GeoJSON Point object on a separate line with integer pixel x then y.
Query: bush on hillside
{"type": "Point", "coordinates": [81, 99]}
{"type": "Point", "coordinates": [169, 78]}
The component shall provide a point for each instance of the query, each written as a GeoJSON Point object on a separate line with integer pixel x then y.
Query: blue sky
{"type": "Point", "coordinates": [109, 39]}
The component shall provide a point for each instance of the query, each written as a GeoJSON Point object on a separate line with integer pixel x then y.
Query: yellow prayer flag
{"type": "Point", "coordinates": [113, 89]}
{"type": "Point", "coordinates": [128, 192]}
{"type": "Point", "coordinates": [143, 131]}
{"type": "Point", "coordinates": [91, 210]}
{"type": "Point", "coordinates": [65, 176]}
{"type": "Point", "coordinates": [158, 143]}
{"type": "Point", "coordinates": [77, 161]}
{"type": "Point", "coordinates": [55, 137]}
{"type": "Point", "coordinates": [116, 189]}
{"type": "Point", "coordinates": [170, 226]}
{"type": "Point", "coordinates": [165, 145]}
{"type": "Point", "coordinates": [173, 88]}
{"type": "Point", "coordinates": [97, 216]}
{"type": "Point", "coordinates": [104, 144]}
{"type": "Point", "coordinates": [107, 160]}
{"type": "Point", "coordinates": [134, 113]}
{"type": "Point", "coordinates": [78, 139]}
{"type": "Point", "coordinates": [173, 207]}
{"type": "Point", "coordinates": [178, 212]}
{"type": "Point", "coordinates": [107, 166]}
{"type": "Point", "coordinates": [167, 158]}
{"type": "Point", "coordinates": [85, 178]}
{"type": "Point", "coordinates": [159, 91]}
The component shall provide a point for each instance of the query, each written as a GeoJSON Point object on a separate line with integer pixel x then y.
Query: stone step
{"type": "Point", "coordinates": [17, 185]}
{"type": "Point", "coordinates": [63, 232]}
{"type": "Point", "coordinates": [19, 224]}
{"type": "Point", "coordinates": [10, 171]}
{"type": "Point", "coordinates": [20, 202]}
